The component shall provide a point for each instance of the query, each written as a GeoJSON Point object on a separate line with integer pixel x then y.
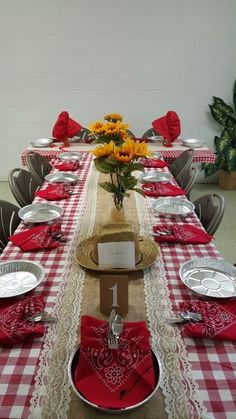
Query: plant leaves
{"type": "Point", "coordinates": [128, 182]}
{"type": "Point", "coordinates": [222, 113]}
{"type": "Point", "coordinates": [109, 187]}
{"type": "Point", "coordinates": [140, 191]}
{"type": "Point", "coordinates": [230, 160]}
{"type": "Point", "coordinates": [103, 165]}
{"type": "Point", "coordinates": [234, 95]}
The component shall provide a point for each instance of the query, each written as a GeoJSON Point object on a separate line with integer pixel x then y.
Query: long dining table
{"type": "Point", "coordinates": [202, 154]}
{"type": "Point", "coordinates": [198, 375]}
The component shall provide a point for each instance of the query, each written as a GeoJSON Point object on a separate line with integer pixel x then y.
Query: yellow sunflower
{"type": "Point", "coordinates": [113, 117]}
{"type": "Point", "coordinates": [125, 152]}
{"type": "Point", "coordinates": [141, 149]}
{"type": "Point", "coordinates": [104, 150]}
{"type": "Point", "coordinates": [97, 127]}
{"type": "Point", "coordinates": [111, 128]}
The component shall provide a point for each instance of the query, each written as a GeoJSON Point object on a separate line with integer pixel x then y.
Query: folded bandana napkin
{"type": "Point", "coordinates": [162, 189]}
{"type": "Point", "coordinates": [37, 238]}
{"type": "Point", "coordinates": [54, 192]}
{"type": "Point", "coordinates": [168, 126]}
{"type": "Point", "coordinates": [218, 320]}
{"type": "Point", "coordinates": [156, 163]}
{"type": "Point", "coordinates": [186, 234]}
{"type": "Point", "coordinates": [14, 327]}
{"type": "Point", "coordinates": [65, 127]}
{"type": "Point", "coordinates": [122, 377]}
{"type": "Point", "coordinates": [69, 166]}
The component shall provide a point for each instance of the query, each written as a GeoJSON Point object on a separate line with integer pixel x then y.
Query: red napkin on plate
{"type": "Point", "coordinates": [14, 327]}
{"type": "Point", "coordinates": [37, 238]}
{"type": "Point", "coordinates": [114, 378]}
{"type": "Point", "coordinates": [219, 320]}
{"type": "Point", "coordinates": [162, 189]}
{"type": "Point", "coordinates": [156, 163]}
{"type": "Point", "coordinates": [65, 127]}
{"type": "Point", "coordinates": [168, 126]}
{"type": "Point", "coordinates": [69, 166]}
{"type": "Point", "coordinates": [186, 234]}
{"type": "Point", "coordinates": [54, 192]}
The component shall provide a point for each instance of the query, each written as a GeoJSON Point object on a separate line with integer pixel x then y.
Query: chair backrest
{"type": "Point", "coordinates": [81, 136]}
{"type": "Point", "coordinates": [150, 133]}
{"type": "Point", "coordinates": [38, 165]}
{"type": "Point", "coordinates": [23, 186]}
{"type": "Point", "coordinates": [130, 133]}
{"type": "Point", "coordinates": [188, 178]}
{"type": "Point", "coordinates": [9, 221]}
{"type": "Point", "coordinates": [210, 210]}
{"type": "Point", "coordinates": [181, 163]}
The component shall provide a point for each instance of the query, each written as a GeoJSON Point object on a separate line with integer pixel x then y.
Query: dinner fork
{"type": "Point", "coordinates": [112, 341]}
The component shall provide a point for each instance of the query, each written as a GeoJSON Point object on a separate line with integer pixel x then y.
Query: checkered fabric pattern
{"type": "Point", "coordinates": [18, 364]}
{"type": "Point", "coordinates": [169, 155]}
{"type": "Point", "coordinates": [213, 362]}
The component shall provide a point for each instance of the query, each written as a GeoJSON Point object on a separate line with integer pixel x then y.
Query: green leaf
{"type": "Point", "coordinates": [128, 182]}
{"type": "Point", "coordinates": [103, 165]}
{"type": "Point", "coordinates": [139, 191]}
{"type": "Point", "coordinates": [221, 112]}
{"type": "Point", "coordinates": [230, 160]}
{"type": "Point", "coordinates": [109, 187]}
{"type": "Point", "coordinates": [234, 95]}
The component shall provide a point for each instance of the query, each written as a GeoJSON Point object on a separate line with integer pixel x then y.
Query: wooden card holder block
{"type": "Point", "coordinates": [114, 294]}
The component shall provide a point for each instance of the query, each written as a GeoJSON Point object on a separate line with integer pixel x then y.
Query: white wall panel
{"type": "Point", "coordinates": [92, 57]}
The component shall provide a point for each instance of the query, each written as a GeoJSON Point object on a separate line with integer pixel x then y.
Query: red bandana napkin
{"type": "Point", "coordinates": [162, 189]}
{"type": "Point", "coordinates": [65, 127]}
{"type": "Point", "coordinates": [156, 163]}
{"type": "Point", "coordinates": [185, 234]}
{"type": "Point", "coordinates": [122, 377]}
{"type": "Point", "coordinates": [37, 238]}
{"type": "Point", "coordinates": [54, 192]}
{"type": "Point", "coordinates": [65, 167]}
{"type": "Point", "coordinates": [14, 327]}
{"type": "Point", "coordinates": [168, 126]}
{"type": "Point", "coordinates": [219, 320]}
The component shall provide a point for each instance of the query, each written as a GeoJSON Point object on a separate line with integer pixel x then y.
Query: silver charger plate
{"type": "Point", "coordinates": [40, 213]}
{"type": "Point", "coordinates": [172, 207]}
{"type": "Point", "coordinates": [155, 138]}
{"type": "Point", "coordinates": [70, 155]}
{"type": "Point", "coordinates": [193, 143]}
{"type": "Point", "coordinates": [155, 176]}
{"type": "Point", "coordinates": [62, 177]}
{"type": "Point", "coordinates": [41, 142]}
{"type": "Point", "coordinates": [209, 277]}
{"type": "Point", "coordinates": [74, 359]}
{"type": "Point", "coordinates": [18, 277]}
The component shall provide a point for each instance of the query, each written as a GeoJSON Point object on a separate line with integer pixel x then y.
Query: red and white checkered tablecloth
{"type": "Point", "coordinates": [213, 362]}
{"type": "Point", "coordinates": [169, 154]}
{"type": "Point", "coordinates": [18, 364]}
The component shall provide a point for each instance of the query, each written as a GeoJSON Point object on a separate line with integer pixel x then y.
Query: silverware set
{"type": "Point", "coordinates": [41, 316]}
{"type": "Point", "coordinates": [184, 317]}
{"type": "Point", "coordinates": [115, 328]}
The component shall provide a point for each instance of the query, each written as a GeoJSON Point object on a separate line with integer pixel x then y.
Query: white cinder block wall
{"type": "Point", "coordinates": [89, 57]}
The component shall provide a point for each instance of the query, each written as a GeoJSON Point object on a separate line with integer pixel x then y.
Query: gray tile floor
{"type": "Point", "coordinates": [225, 237]}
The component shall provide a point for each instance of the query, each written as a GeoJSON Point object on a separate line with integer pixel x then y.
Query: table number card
{"type": "Point", "coordinates": [116, 255]}
{"type": "Point", "coordinates": [114, 293]}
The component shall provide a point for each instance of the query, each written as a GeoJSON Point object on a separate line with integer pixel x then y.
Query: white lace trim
{"type": "Point", "coordinates": [179, 388]}
{"type": "Point", "coordinates": [52, 388]}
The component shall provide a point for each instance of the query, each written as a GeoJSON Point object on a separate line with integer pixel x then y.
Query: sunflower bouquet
{"type": "Point", "coordinates": [120, 161]}
{"type": "Point", "coordinates": [111, 129]}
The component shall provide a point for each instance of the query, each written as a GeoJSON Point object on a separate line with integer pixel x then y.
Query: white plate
{"type": "Point", "coordinates": [70, 155]}
{"type": "Point", "coordinates": [18, 277]}
{"type": "Point", "coordinates": [193, 143]}
{"type": "Point", "coordinates": [41, 142]}
{"type": "Point", "coordinates": [40, 213]}
{"type": "Point", "coordinates": [209, 277]}
{"type": "Point", "coordinates": [172, 207]}
{"type": "Point", "coordinates": [62, 177]}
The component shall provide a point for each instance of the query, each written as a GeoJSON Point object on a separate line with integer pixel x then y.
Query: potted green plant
{"type": "Point", "coordinates": [225, 145]}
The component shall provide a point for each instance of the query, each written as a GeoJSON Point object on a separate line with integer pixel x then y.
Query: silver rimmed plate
{"type": "Point", "coordinates": [172, 207]}
{"type": "Point", "coordinates": [40, 213]}
{"type": "Point", "coordinates": [62, 177]}
{"type": "Point", "coordinates": [41, 142]}
{"type": "Point", "coordinates": [18, 277]}
{"type": "Point", "coordinates": [155, 138]}
{"type": "Point", "coordinates": [209, 277]}
{"type": "Point", "coordinates": [155, 176]}
{"type": "Point", "coordinates": [192, 142]}
{"type": "Point", "coordinates": [73, 362]}
{"type": "Point", "coordinates": [69, 156]}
